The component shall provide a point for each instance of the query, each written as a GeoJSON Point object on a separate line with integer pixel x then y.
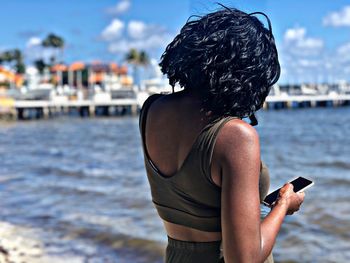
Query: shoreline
{"type": "Point", "coordinates": [19, 244]}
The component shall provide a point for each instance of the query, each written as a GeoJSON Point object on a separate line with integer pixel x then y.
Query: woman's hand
{"type": "Point", "coordinates": [288, 198]}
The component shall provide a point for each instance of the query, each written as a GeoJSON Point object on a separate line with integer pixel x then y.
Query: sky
{"type": "Point", "coordinates": [313, 37]}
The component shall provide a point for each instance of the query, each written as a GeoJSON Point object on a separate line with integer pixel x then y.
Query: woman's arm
{"type": "Point", "coordinates": [288, 203]}
{"type": "Point", "coordinates": [245, 237]}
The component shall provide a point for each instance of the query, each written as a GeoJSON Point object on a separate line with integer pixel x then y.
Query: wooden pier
{"type": "Point", "coordinates": [37, 109]}
{"type": "Point", "coordinates": [304, 101]}
{"type": "Point", "coordinates": [29, 109]}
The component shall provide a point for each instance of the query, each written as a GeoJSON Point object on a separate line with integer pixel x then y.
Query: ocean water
{"type": "Point", "coordinates": [80, 187]}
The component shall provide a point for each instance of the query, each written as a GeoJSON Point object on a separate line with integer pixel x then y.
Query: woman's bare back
{"type": "Point", "coordinates": [172, 126]}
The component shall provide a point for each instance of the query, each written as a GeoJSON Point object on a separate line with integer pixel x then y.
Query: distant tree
{"type": "Point", "coordinates": [16, 54]}
{"type": "Point", "coordinates": [132, 56]}
{"type": "Point", "coordinates": [20, 68]}
{"type": "Point", "coordinates": [18, 58]}
{"type": "Point", "coordinates": [137, 59]}
{"type": "Point", "coordinates": [6, 57]}
{"type": "Point", "coordinates": [143, 58]}
{"type": "Point", "coordinates": [14, 58]}
{"type": "Point", "coordinates": [40, 65]}
{"type": "Point", "coordinates": [56, 43]}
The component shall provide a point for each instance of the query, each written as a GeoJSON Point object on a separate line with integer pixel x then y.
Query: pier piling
{"type": "Point", "coordinates": [92, 111]}
{"type": "Point", "coordinates": [26, 109]}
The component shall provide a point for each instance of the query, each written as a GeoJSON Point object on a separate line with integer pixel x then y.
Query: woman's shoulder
{"type": "Point", "coordinates": [159, 100]}
{"type": "Point", "coordinates": [237, 128]}
{"type": "Point", "coordinates": [151, 100]}
{"type": "Point", "coordinates": [165, 104]}
{"type": "Point", "coordinates": [234, 136]}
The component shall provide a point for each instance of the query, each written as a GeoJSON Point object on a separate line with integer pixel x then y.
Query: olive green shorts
{"type": "Point", "coordinates": [192, 252]}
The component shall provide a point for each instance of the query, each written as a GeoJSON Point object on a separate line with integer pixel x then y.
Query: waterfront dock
{"type": "Point", "coordinates": [37, 109]}
{"type": "Point", "coordinates": [306, 101]}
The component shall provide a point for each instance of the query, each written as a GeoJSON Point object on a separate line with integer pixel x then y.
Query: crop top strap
{"type": "Point", "coordinates": [206, 145]}
{"type": "Point", "coordinates": [143, 114]}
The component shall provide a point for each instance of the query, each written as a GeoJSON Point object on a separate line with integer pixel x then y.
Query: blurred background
{"type": "Point", "coordinates": [73, 76]}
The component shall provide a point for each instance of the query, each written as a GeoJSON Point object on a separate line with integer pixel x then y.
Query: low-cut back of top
{"type": "Point", "coordinates": [190, 197]}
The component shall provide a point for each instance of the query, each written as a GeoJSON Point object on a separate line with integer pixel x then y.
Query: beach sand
{"type": "Point", "coordinates": [19, 244]}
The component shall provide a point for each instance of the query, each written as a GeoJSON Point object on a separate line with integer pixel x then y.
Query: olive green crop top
{"type": "Point", "coordinates": [190, 197]}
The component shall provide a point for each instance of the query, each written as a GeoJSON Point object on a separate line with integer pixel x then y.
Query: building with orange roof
{"type": "Point", "coordinates": [110, 75]}
{"type": "Point", "coordinates": [58, 69]}
{"type": "Point", "coordinates": [75, 74]}
{"type": "Point", "coordinates": [9, 78]}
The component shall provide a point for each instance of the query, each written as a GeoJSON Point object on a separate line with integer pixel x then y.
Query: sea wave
{"type": "Point", "coordinates": [331, 164]}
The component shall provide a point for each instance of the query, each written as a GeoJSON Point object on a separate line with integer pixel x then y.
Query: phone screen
{"type": "Point", "coordinates": [299, 184]}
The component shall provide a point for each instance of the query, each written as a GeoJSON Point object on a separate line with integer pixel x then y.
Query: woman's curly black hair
{"type": "Point", "coordinates": [228, 57]}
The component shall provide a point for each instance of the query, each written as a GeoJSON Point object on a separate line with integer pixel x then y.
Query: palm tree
{"type": "Point", "coordinates": [40, 65]}
{"type": "Point", "coordinates": [55, 42]}
{"type": "Point", "coordinates": [14, 58]}
{"type": "Point", "coordinates": [6, 57]}
{"type": "Point", "coordinates": [132, 56]}
{"type": "Point", "coordinates": [18, 58]}
{"type": "Point", "coordinates": [143, 58]}
{"type": "Point", "coordinates": [137, 59]}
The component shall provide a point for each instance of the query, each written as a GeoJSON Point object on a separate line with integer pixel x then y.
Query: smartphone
{"type": "Point", "coordinates": [300, 184]}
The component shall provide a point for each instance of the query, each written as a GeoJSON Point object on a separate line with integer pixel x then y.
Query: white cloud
{"type": "Point", "coordinates": [297, 42]}
{"type": "Point", "coordinates": [121, 7]}
{"type": "Point", "coordinates": [344, 49]}
{"type": "Point", "coordinates": [343, 53]}
{"type": "Point", "coordinates": [295, 34]}
{"type": "Point", "coordinates": [136, 34]}
{"type": "Point", "coordinates": [33, 42]}
{"type": "Point", "coordinates": [328, 65]}
{"type": "Point", "coordinates": [137, 29]}
{"type": "Point", "coordinates": [337, 19]}
{"type": "Point", "coordinates": [33, 50]}
{"type": "Point", "coordinates": [311, 43]}
{"type": "Point", "coordinates": [308, 63]}
{"type": "Point", "coordinates": [306, 59]}
{"type": "Point", "coordinates": [151, 42]}
{"type": "Point", "coordinates": [113, 30]}
{"type": "Point", "coordinates": [302, 56]}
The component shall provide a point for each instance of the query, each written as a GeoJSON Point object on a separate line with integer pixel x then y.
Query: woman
{"type": "Point", "coordinates": [202, 160]}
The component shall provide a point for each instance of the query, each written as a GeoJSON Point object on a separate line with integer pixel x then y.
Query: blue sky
{"type": "Point", "coordinates": [313, 36]}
